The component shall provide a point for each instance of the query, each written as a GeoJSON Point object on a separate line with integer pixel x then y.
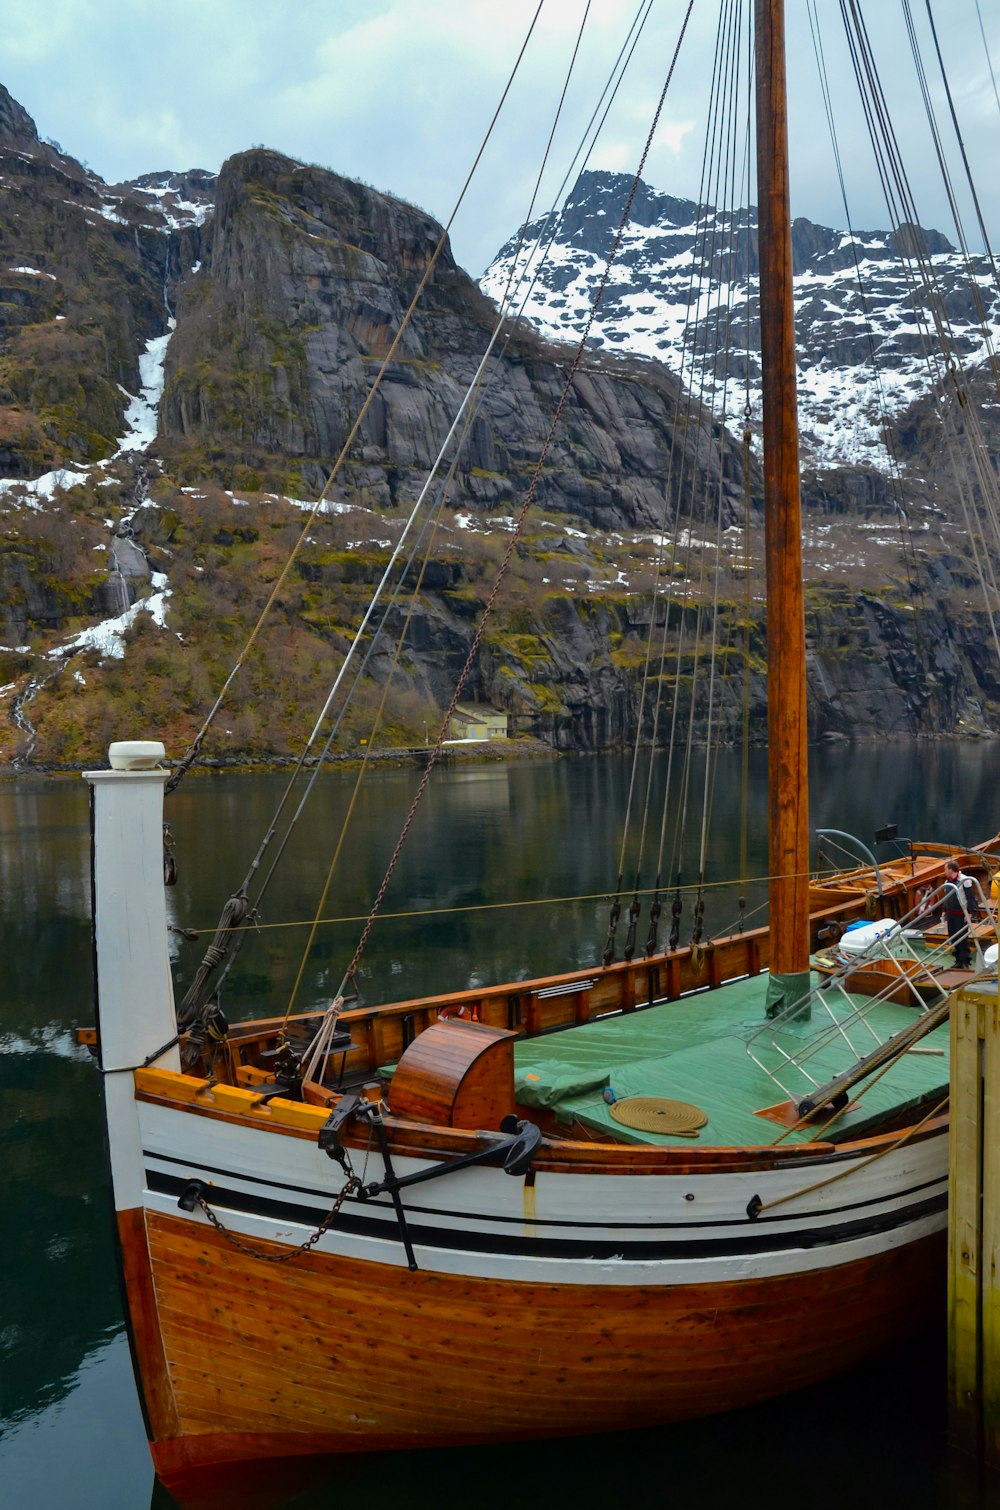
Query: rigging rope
{"type": "Point", "coordinates": [693, 423]}
{"type": "Point", "coordinates": [961, 143]}
{"type": "Point", "coordinates": [188, 760]}
{"type": "Point", "coordinates": [519, 526]}
{"type": "Point", "coordinates": [198, 996]}
{"type": "Point", "coordinates": [471, 907]}
{"type": "Point", "coordinates": [727, 170]}
{"type": "Point", "coordinates": [959, 418]}
{"type": "Point", "coordinates": [908, 543]}
{"type": "Point", "coordinates": [479, 388]}
{"type": "Point", "coordinates": [475, 387]}
{"type": "Point", "coordinates": [745, 744]}
{"type": "Point", "coordinates": [986, 50]}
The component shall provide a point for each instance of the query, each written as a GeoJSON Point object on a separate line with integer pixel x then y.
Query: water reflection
{"type": "Point", "coordinates": [87, 1448]}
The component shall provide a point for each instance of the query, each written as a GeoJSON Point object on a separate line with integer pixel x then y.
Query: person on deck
{"type": "Point", "coordinates": [957, 907]}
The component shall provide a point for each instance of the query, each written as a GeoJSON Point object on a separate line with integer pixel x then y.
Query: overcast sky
{"type": "Point", "coordinates": [399, 93]}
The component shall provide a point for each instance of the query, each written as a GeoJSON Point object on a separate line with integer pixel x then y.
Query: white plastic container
{"type": "Point", "coordinates": [882, 939]}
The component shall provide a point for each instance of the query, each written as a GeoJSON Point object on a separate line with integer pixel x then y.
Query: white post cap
{"type": "Point", "coordinates": [135, 754]}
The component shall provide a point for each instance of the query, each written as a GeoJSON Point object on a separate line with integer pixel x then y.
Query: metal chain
{"type": "Point", "coordinates": [351, 1183]}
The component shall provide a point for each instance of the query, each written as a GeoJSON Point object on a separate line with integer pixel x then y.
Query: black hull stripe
{"type": "Point", "coordinates": [414, 1208]}
{"type": "Point", "coordinates": [752, 1239]}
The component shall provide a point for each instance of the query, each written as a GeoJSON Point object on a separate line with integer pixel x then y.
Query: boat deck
{"type": "Point", "coordinates": [694, 1050]}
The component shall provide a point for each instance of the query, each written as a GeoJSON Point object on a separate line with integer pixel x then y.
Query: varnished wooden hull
{"type": "Point", "coordinates": [606, 1289]}
{"type": "Point", "coordinates": [331, 1355]}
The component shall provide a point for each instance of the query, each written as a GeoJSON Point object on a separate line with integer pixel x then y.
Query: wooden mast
{"type": "Point", "coordinates": [787, 756]}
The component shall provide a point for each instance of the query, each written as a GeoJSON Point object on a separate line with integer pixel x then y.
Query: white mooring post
{"type": "Point", "coordinates": [974, 1224]}
{"type": "Point", "coordinates": [135, 998]}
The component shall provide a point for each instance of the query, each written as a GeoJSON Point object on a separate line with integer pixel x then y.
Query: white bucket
{"type": "Point", "coordinates": [882, 939]}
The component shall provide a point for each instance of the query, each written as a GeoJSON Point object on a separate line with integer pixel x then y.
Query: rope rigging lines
{"type": "Point", "coordinates": [529, 496]}
{"type": "Point", "coordinates": [372, 625]}
{"type": "Point", "coordinates": [708, 348]}
{"type": "Point", "coordinates": [198, 996]}
{"type": "Point", "coordinates": [703, 612]}
{"type": "Point", "coordinates": [941, 345]}
{"type": "Point", "coordinates": [239, 901]}
{"type": "Point", "coordinates": [696, 516]}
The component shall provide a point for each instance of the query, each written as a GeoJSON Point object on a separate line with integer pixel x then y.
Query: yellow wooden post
{"type": "Point", "coordinates": [990, 1282]}
{"type": "Point", "coordinates": [974, 1224]}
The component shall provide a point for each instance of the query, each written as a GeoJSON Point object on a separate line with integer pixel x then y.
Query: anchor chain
{"type": "Point", "coordinates": [195, 1193]}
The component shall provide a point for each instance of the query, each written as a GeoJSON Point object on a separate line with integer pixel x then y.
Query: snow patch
{"type": "Point", "coordinates": [44, 486]}
{"type": "Point", "coordinates": [655, 308]}
{"type": "Point", "coordinates": [141, 414]}
{"type": "Point", "coordinates": [108, 637]}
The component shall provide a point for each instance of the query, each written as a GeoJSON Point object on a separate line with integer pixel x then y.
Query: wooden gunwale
{"type": "Point", "coordinates": [292, 1119]}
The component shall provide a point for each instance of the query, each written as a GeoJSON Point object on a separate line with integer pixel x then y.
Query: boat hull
{"type": "Point", "coordinates": [330, 1355]}
{"type": "Point", "coordinates": [605, 1288]}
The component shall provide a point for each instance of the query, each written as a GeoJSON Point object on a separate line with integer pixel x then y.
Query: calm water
{"type": "Point", "coordinates": [70, 1432]}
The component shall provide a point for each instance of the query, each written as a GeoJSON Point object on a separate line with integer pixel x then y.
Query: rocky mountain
{"type": "Point", "coordinates": [279, 336]}
{"type": "Point", "coordinates": [87, 275]}
{"type": "Point", "coordinates": [868, 307]}
{"type": "Point", "coordinates": [182, 361]}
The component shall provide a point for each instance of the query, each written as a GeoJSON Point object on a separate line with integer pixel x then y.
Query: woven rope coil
{"type": "Point", "coordinates": [658, 1114]}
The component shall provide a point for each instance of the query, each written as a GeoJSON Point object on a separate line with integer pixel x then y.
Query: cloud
{"type": "Point", "coordinates": [400, 94]}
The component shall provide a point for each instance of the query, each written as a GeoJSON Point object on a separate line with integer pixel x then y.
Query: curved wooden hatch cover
{"type": "Point", "coordinates": [456, 1074]}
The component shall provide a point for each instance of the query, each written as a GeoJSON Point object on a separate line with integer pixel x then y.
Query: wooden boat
{"type": "Point", "coordinates": [518, 1260]}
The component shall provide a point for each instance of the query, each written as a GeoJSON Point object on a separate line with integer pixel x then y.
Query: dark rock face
{"type": "Point", "coordinates": [29, 602]}
{"type": "Point", "coordinates": [88, 279]}
{"type": "Point", "coordinates": [16, 125]}
{"type": "Point", "coordinates": [874, 669]}
{"type": "Point", "coordinates": [309, 279]}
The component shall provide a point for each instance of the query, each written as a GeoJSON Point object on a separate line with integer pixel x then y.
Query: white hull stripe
{"type": "Point", "coordinates": [688, 1241]}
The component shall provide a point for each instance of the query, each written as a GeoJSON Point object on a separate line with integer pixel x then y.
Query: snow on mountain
{"type": "Point", "coordinates": [865, 335]}
{"type": "Point", "coordinates": [141, 415]}
{"type": "Point", "coordinates": [180, 199]}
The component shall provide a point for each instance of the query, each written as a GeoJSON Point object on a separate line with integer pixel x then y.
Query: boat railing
{"type": "Point", "coordinates": [819, 1038]}
{"type": "Point", "coordinates": [852, 843]}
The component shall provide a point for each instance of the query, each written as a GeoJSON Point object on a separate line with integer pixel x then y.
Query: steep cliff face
{"type": "Point", "coordinates": [279, 338]}
{"type": "Point", "coordinates": [85, 281]}
{"type": "Point", "coordinates": [875, 669]}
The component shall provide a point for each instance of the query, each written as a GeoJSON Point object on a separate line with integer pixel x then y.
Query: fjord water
{"type": "Point", "coordinates": [512, 833]}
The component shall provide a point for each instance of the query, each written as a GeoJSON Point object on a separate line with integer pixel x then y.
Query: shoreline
{"type": "Point", "coordinates": [459, 752]}
{"type": "Point", "coordinates": [465, 752]}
